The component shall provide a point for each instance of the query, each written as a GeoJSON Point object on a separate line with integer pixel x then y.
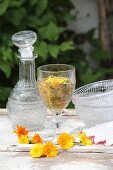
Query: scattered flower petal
{"type": "Point", "coordinates": [92, 138]}
{"type": "Point", "coordinates": [101, 142]}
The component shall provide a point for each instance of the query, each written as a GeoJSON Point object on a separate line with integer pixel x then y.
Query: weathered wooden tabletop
{"type": "Point", "coordinates": [16, 157]}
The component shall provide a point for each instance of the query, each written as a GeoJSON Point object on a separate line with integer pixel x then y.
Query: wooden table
{"type": "Point", "coordinates": [16, 157]}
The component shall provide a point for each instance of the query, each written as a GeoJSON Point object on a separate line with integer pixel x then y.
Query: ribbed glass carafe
{"type": "Point", "coordinates": [24, 104]}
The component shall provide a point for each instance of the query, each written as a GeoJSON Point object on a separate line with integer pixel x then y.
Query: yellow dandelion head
{"type": "Point", "coordinates": [56, 80]}
{"type": "Point", "coordinates": [36, 151]}
{"type": "Point", "coordinates": [86, 141]}
{"type": "Point", "coordinates": [23, 139]}
{"type": "Point", "coordinates": [50, 150]}
{"type": "Point", "coordinates": [82, 135]}
{"type": "Point", "coordinates": [65, 140]}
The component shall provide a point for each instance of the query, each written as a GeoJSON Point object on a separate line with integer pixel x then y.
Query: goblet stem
{"type": "Point", "coordinates": [57, 119]}
{"type": "Point", "coordinates": [57, 123]}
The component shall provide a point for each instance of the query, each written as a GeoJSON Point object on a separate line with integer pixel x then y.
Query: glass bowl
{"type": "Point", "coordinates": [94, 102]}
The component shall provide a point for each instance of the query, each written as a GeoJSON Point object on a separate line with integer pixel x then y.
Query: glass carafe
{"type": "Point", "coordinates": [24, 104]}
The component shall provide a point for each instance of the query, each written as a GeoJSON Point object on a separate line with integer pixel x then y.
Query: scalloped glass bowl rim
{"type": "Point", "coordinates": [91, 85]}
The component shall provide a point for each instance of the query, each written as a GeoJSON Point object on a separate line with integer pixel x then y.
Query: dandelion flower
{"type": "Point", "coordinates": [21, 131]}
{"type": "Point", "coordinates": [81, 135]}
{"type": "Point", "coordinates": [36, 139]}
{"type": "Point", "coordinates": [50, 150]}
{"type": "Point", "coordinates": [23, 139]}
{"type": "Point", "coordinates": [84, 139]}
{"type": "Point", "coordinates": [65, 140]}
{"type": "Point", "coordinates": [36, 151]}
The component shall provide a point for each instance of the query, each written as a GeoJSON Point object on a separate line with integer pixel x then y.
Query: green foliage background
{"type": "Point", "coordinates": [56, 43]}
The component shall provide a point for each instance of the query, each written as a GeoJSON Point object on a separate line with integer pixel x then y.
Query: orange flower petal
{"type": "Point", "coordinates": [36, 139]}
{"type": "Point", "coordinates": [20, 130]}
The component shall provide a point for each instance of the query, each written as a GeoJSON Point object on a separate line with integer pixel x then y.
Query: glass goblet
{"type": "Point", "coordinates": [56, 84]}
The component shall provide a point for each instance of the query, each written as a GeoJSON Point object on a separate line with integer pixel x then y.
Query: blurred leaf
{"type": "Point", "coordinates": [5, 40]}
{"type": "Point", "coordinates": [4, 93]}
{"type": "Point", "coordinates": [33, 2]}
{"type": "Point", "coordinates": [35, 22]}
{"type": "Point", "coordinates": [49, 16]}
{"type": "Point", "coordinates": [89, 76]}
{"type": "Point", "coordinates": [80, 54]}
{"type": "Point", "coordinates": [65, 4]}
{"type": "Point", "coordinates": [106, 70]}
{"type": "Point", "coordinates": [16, 16]}
{"type": "Point", "coordinates": [90, 34]}
{"type": "Point", "coordinates": [3, 6]}
{"type": "Point", "coordinates": [61, 29]}
{"type": "Point", "coordinates": [42, 49]}
{"type": "Point", "coordinates": [41, 6]}
{"type": "Point", "coordinates": [96, 43]}
{"type": "Point", "coordinates": [98, 54]}
{"type": "Point", "coordinates": [6, 68]}
{"type": "Point", "coordinates": [16, 3]}
{"type": "Point", "coordinates": [80, 39]}
{"type": "Point", "coordinates": [54, 50]}
{"type": "Point", "coordinates": [66, 16]}
{"type": "Point", "coordinates": [6, 53]}
{"type": "Point", "coordinates": [15, 58]}
{"type": "Point", "coordinates": [50, 32]}
{"type": "Point", "coordinates": [68, 45]}
{"type": "Point", "coordinates": [32, 21]}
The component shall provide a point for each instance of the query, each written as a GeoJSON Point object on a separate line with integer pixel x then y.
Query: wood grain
{"type": "Point", "coordinates": [64, 161]}
{"type": "Point", "coordinates": [3, 112]}
{"type": "Point", "coordinates": [66, 112]}
{"type": "Point", "coordinates": [76, 149]}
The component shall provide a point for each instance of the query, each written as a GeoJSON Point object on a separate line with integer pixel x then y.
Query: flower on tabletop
{"type": "Point", "coordinates": [20, 130]}
{"type": "Point", "coordinates": [84, 140]}
{"type": "Point", "coordinates": [50, 150]}
{"type": "Point", "coordinates": [36, 151]}
{"type": "Point", "coordinates": [36, 139]}
{"type": "Point", "coordinates": [65, 140]}
{"type": "Point", "coordinates": [81, 135]}
{"type": "Point", "coordinates": [23, 139]}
